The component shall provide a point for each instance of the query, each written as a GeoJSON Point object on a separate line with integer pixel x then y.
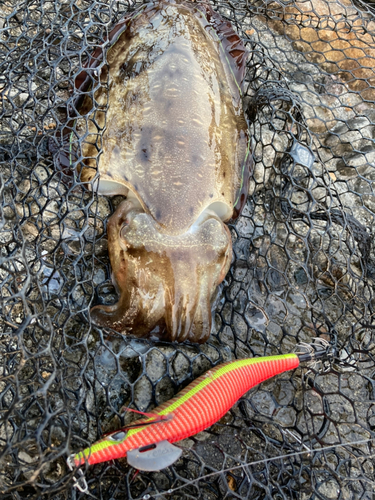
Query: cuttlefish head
{"type": "Point", "coordinates": [164, 279]}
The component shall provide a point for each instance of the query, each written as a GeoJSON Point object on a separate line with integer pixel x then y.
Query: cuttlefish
{"type": "Point", "coordinates": [174, 140]}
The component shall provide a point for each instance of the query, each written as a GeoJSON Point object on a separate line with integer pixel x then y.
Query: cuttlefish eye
{"type": "Point", "coordinates": [118, 436]}
{"type": "Point", "coordinates": [124, 226]}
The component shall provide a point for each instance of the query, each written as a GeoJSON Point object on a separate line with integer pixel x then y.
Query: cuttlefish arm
{"type": "Point", "coordinates": [164, 279]}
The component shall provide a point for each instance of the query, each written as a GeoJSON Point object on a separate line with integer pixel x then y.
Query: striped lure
{"type": "Point", "coordinates": [195, 408]}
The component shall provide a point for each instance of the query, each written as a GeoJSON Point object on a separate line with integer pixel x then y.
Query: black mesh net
{"type": "Point", "coordinates": [303, 267]}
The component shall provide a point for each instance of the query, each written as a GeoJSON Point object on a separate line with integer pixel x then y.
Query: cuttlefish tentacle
{"type": "Point", "coordinates": [183, 302]}
{"type": "Point", "coordinates": [130, 310]}
{"type": "Point", "coordinates": [198, 268]}
{"type": "Point", "coordinates": [201, 328]}
{"type": "Point", "coordinates": [164, 276]}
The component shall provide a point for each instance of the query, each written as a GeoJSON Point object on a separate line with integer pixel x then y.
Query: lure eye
{"type": "Point", "coordinates": [118, 436]}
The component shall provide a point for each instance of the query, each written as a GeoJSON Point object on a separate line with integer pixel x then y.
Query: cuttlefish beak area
{"type": "Point", "coordinates": [164, 279]}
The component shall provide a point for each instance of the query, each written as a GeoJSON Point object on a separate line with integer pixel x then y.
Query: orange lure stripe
{"type": "Point", "coordinates": [195, 408]}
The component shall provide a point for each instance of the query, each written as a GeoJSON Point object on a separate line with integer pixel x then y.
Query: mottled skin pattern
{"type": "Point", "coordinates": [176, 143]}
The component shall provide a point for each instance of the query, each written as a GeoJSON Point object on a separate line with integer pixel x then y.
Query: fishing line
{"type": "Point", "coordinates": [279, 457]}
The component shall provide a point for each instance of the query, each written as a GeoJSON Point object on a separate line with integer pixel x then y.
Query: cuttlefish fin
{"type": "Point", "coordinates": [235, 51]}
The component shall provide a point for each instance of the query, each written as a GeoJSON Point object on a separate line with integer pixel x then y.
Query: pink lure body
{"type": "Point", "coordinates": [201, 404]}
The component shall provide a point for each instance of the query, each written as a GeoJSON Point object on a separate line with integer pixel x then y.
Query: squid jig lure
{"type": "Point", "coordinates": [147, 443]}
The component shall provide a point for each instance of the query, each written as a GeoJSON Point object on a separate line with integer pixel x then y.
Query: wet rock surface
{"type": "Point", "coordinates": [303, 266]}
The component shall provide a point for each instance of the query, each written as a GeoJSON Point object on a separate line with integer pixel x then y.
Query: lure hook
{"type": "Point", "coordinates": [80, 483]}
{"type": "Point", "coordinates": [319, 350]}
